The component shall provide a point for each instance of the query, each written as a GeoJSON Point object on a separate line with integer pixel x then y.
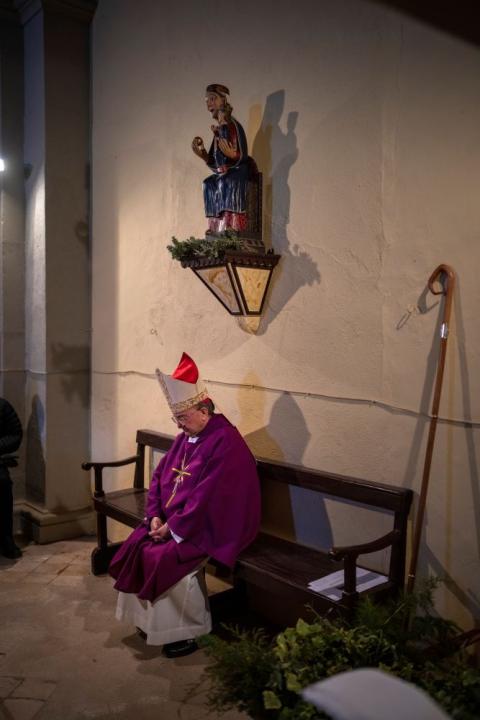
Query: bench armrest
{"type": "Point", "coordinates": [350, 554]}
{"type": "Point", "coordinates": [339, 553]}
{"type": "Point", "coordinates": [98, 470]}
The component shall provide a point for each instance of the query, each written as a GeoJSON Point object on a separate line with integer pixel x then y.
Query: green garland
{"type": "Point", "coordinates": [264, 678]}
{"type": "Point", "coordinates": [213, 248]}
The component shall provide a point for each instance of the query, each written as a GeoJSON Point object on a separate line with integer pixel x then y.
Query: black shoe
{"type": "Point", "coordinates": [10, 550]}
{"type": "Point", "coordinates": [180, 648]}
{"type": "Point", "coordinates": [141, 633]}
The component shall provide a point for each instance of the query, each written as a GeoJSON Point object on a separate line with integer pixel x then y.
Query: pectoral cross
{"type": "Point", "coordinates": [181, 473]}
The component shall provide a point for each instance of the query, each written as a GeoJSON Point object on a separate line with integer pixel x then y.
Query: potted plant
{"type": "Point", "coordinates": [263, 677]}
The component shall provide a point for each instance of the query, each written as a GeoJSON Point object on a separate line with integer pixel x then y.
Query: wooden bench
{"type": "Point", "coordinates": [273, 572]}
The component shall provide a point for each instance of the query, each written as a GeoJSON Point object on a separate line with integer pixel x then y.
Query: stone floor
{"type": "Point", "coordinates": [63, 656]}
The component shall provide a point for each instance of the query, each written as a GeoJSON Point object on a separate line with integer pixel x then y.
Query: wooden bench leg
{"type": "Point", "coordinates": [100, 558]}
{"type": "Point", "coordinates": [103, 553]}
{"type": "Point", "coordinates": [102, 539]}
{"type": "Point", "coordinates": [350, 594]}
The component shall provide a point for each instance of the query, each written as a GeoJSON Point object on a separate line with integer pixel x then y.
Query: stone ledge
{"type": "Point", "coordinates": [43, 526]}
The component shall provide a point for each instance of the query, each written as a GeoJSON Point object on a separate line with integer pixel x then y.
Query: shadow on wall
{"type": "Point", "coordinates": [430, 564]}
{"type": "Point", "coordinates": [467, 413]}
{"type": "Point", "coordinates": [82, 233]}
{"type": "Point", "coordinates": [34, 458]}
{"type": "Point", "coordinates": [275, 152]}
{"type": "Point", "coordinates": [74, 361]}
{"type": "Point", "coordinates": [290, 512]}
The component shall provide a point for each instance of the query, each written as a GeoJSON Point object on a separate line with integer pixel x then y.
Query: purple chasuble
{"type": "Point", "coordinates": [209, 494]}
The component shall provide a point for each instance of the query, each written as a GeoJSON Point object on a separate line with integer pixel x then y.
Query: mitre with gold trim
{"type": "Point", "coordinates": [183, 388]}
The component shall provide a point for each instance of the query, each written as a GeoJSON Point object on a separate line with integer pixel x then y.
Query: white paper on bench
{"type": "Point", "coordinates": [332, 585]}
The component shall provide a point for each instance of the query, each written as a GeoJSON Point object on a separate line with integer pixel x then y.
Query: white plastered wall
{"type": "Point", "coordinates": [366, 126]}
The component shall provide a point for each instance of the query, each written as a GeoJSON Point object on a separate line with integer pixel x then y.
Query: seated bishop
{"type": "Point", "coordinates": [204, 501]}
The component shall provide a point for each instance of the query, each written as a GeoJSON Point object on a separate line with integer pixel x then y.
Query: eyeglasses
{"type": "Point", "coordinates": [183, 417]}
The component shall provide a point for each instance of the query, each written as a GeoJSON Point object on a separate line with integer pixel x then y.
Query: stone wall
{"type": "Point", "coordinates": [365, 124]}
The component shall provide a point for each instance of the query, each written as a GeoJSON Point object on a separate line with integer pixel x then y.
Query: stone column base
{"type": "Point", "coordinates": [42, 526]}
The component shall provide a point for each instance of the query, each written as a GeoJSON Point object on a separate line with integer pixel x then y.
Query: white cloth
{"type": "Point", "coordinates": [181, 613]}
{"type": "Point", "coordinates": [370, 694]}
{"type": "Point", "coordinates": [176, 537]}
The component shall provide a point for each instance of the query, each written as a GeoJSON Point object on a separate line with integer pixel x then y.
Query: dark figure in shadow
{"type": "Point", "coordinates": [10, 439]}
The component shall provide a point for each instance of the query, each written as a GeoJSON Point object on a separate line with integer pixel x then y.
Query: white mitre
{"type": "Point", "coordinates": [183, 388]}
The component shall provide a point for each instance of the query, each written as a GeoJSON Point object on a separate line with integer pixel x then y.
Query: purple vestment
{"type": "Point", "coordinates": [215, 508]}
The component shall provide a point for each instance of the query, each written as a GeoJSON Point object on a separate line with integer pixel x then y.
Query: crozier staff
{"type": "Point", "coordinates": [204, 501]}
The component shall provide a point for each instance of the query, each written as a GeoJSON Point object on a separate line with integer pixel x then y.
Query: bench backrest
{"type": "Point", "coordinates": [378, 495]}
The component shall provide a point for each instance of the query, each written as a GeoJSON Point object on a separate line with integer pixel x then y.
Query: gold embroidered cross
{"type": "Point", "coordinates": [181, 473]}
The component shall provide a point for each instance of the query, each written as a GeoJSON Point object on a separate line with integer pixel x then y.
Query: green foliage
{"type": "Point", "coordinates": [454, 684]}
{"type": "Point", "coordinates": [214, 247]}
{"type": "Point", "coordinates": [409, 621]}
{"type": "Point", "coordinates": [264, 678]}
{"type": "Point", "coordinates": [239, 671]}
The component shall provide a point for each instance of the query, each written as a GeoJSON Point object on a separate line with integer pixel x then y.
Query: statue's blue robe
{"type": "Point", "coordinates": [226, 189]}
